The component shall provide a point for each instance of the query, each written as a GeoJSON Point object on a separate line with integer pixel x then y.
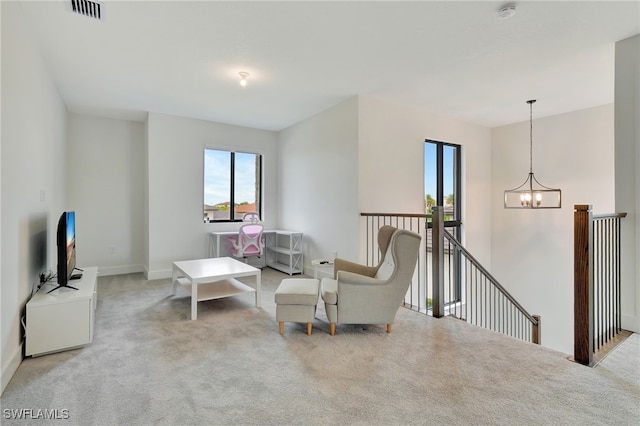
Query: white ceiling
{"type": "Point", "coordinates": [451, 57]}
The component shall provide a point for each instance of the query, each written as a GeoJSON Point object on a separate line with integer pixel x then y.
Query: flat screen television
{"type": "Point", "coordinates": [66, 242]}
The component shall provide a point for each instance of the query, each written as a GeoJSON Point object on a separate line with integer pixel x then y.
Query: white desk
{"type": "Point", "coordinates": [283, 249]}
{"type": "Point", "coordinates": [208, 279]}
{"type": "Point", "coordinates": [218, 245]}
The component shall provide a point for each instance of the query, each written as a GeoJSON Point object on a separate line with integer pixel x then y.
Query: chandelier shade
{"type": "Point", "coordinates": [532, 194]}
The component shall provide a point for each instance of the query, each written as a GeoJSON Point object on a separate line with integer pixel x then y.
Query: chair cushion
{"type": "Point", "coordinates": [330, 291]}
{"type": "Point", "coordinates": [297, 291]}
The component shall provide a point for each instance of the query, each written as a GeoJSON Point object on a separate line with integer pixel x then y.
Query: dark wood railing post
{"type": "Point", "coordinates": [437, 260]}
{"type": "Point", "coordinates": [536, 337]}
{"type": "Point", "coordinates": [582, 284]}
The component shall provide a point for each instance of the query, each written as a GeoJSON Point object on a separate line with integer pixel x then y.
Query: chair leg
{"type": "Point", "coordinates": [388, 328]}
{"type": "Point", "coordinates": [332, 328]}
{"type": "Point", "coordinates": [281, 327]}
{"type": "Point", "coordinates": [309, 325]}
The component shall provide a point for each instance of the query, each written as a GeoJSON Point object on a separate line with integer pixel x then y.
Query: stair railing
{"type": "Point", "coordinates": [597, 291]}
{"type": "Point", "coordinates": [473, 294]}
{"type": "Point", "coordinates": [450, 281]}
{"type": "Point", "coordinates": [418, 296]}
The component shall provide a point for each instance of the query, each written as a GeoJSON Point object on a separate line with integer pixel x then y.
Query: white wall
{"type": "Point", "coordinates": [391, 160]}
{"type": "Point", "coordinates": [318, 181]}
{"type": "Point", "coordinates": [532, 250]}
{"type": "Point", "coordinates": [175, 162]}
{"type": "Point", "coordinates": [627, 164]}
{"type": "Point", "coordinates": [367, 155]}
{"type": "Point", "coordinates": [106, 190]}
{"type": "Point", "coordinates": [33, 176]}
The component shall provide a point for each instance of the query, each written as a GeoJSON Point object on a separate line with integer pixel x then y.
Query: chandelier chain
{"type": "Point", "coordinates": [531, 137]}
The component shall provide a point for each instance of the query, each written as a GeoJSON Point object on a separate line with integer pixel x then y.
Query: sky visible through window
{"type": "Point", "coordinates": [217, 172]}
{"type": "Point", "coordinates": [430, 170]}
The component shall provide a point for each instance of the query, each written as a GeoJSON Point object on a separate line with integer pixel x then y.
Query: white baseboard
{"type": "Point", "coordinates": [158, 274]}
{"type": "Point", "coordinates": [9, 369]}
{"type": "Point", "coordinates": [119, 270]}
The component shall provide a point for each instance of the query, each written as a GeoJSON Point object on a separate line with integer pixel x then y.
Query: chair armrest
{"type": "Point", "coordinates": [356, 268]}
{"type": "Point", "coordinates": [350, 278]}
{"type": "Point", "coordinates": [233, 242]}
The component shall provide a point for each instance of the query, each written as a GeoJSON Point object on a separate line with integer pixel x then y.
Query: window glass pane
{"type": "Point", "coordinates": [449, 181]}
{"type": "Point", "coordinates": [217, 185]}
{"type": "Point", "coordinates": [246, 184]}
{"type": "Point", "coordinates": [430, 170]}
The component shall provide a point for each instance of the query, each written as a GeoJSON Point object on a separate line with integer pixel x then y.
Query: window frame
{"type": "Point", "coordinates": [454, 226]}
{"type": "Point", "coordinates": [260, 173]}
{"type": "Point", "coordinates": [457, 187]}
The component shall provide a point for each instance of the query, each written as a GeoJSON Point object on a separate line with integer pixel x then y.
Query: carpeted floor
{"type": "Point", "coordinates": [150, 364]}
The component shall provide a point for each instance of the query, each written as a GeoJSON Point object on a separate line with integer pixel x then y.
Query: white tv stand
{"type": "Point", "coordinates": [64, 318]}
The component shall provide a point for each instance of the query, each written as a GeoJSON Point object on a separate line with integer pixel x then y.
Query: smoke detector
{"type": "Point", "coordinates": [507, 11]}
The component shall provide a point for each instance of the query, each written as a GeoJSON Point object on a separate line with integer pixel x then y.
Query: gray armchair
{"type": "Point", "coordinates": [360, 294]}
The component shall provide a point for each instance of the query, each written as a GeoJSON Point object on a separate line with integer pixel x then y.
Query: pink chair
{"type": "Point", "coordinates": [248, 243]}
{"type": "Point", "coordinates": [251, 217]}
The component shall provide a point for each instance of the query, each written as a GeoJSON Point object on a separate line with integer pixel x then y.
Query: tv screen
{"type": "Point", "coordinates": [66, 240]}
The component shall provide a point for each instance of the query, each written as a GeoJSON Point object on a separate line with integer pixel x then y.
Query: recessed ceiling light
{"type": "Point", "coordinates": [507, 11]}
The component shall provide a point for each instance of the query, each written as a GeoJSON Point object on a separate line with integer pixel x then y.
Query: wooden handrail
{"type": "Point", "coordinates": [610, 215]}
{"type": "Point", "coordinates": [422, 215]}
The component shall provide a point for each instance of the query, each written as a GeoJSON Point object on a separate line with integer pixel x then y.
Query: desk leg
{"type": "Point", "coordinates": [174, 282]}
{"type": "Point", "coordinates": [194, 300]}
{"type": "Point", "coordinates": [258, 290]}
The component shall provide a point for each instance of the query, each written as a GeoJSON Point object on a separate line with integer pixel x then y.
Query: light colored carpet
{"type": "Point", "coordinates": [150, 364]}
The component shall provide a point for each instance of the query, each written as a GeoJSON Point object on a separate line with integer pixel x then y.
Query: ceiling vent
{"type": "Point", "coordinates": [91, 9]}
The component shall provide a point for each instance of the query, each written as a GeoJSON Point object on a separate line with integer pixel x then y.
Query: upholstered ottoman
{"type": "Point", "coordinates": [296, 301]}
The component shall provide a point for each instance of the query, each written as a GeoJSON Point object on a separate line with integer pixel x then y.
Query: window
{"type": "Point", "coordinates": [442, 177]}
{"type": "Point", "coordinates": [232, 185]}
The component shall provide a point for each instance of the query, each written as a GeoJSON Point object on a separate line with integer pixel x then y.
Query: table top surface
{"type": "Point", "coordinates": [215, 267]}
{"type": "Point", "coordinates": [323, 262]}
{"type": "Point", "coordinates": [266, 231]}
{"type": "Point", "coordinates": [86, 287]}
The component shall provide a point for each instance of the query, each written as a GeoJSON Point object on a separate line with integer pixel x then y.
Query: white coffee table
{"type": "Point", "coordinates": [213, 278]}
